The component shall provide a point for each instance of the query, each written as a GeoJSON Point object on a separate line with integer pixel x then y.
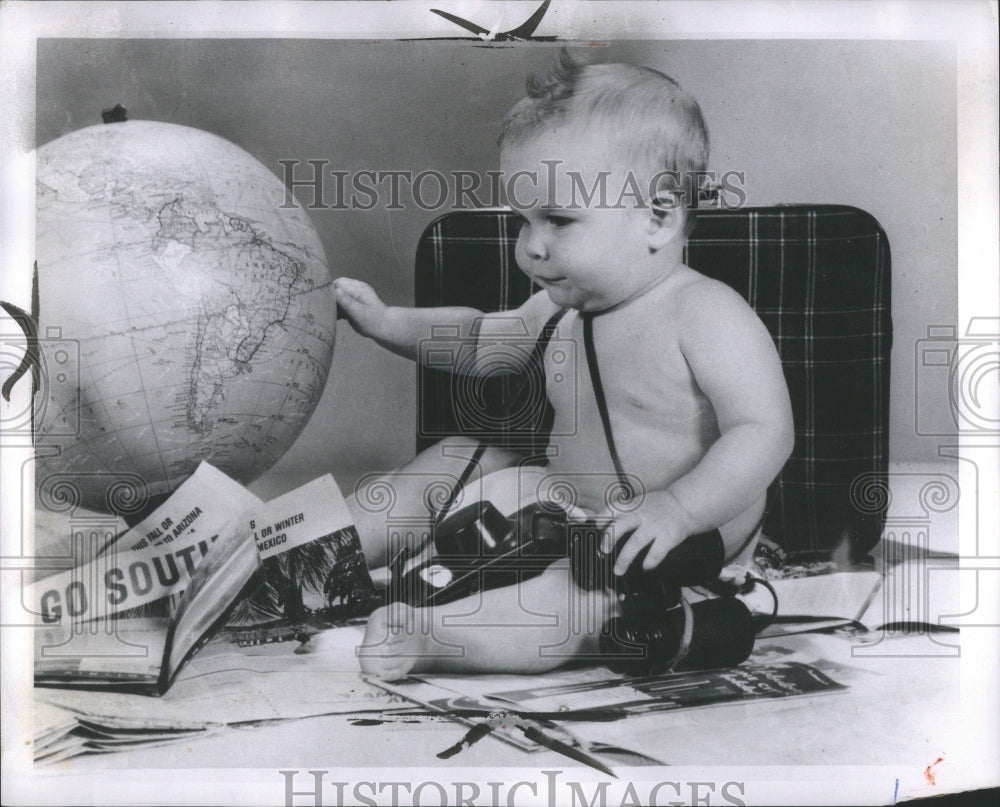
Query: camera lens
{"type": "Point", "coordinates": [722, 635]}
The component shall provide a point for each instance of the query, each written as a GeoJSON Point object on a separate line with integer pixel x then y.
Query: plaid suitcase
{"type": "Point", "coordinates": [818, 277]}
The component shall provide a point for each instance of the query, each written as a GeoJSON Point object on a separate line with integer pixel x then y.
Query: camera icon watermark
{"type": "Point", "coordinates": [55, 364]}
{"type": "Point", "coordinates": [497, 386]}
{"type": "Point", "coordinates": [968, 367]}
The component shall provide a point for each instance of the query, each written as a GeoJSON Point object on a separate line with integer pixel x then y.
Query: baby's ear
{"type": "Point", "coordinates": [666, 219]}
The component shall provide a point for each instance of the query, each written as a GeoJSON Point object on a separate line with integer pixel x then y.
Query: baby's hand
{"type": "Point", "coordinates": [659, 523]}
{"type": "Point", "coordinates": [364, 310]}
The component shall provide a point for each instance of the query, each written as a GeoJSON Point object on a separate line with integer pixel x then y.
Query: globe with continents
{"type": "Point", "coordinates": [185, 314]}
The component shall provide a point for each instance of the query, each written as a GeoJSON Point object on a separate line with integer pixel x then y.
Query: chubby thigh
{"type": "Point", "coordinates": [396, 509]}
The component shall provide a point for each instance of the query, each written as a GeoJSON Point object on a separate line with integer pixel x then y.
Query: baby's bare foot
{"type": "Point", "coordinates": [396, 642]}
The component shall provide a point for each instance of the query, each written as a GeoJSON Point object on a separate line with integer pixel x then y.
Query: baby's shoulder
{"type": "Point", "coordinates": [528, 319]}
{"type": "Point", "coordinates": [698, 298]}
{"type": "Point", "coordinates": [712, 317]}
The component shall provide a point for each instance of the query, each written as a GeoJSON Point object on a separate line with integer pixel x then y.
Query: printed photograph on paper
{"type": "Point", "coordinates": [498, 402]}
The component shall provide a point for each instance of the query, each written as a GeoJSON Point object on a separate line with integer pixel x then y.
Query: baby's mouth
{"type": "Point", "coordinates": [549, 281]}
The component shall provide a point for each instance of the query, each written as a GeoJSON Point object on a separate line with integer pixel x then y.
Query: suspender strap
{"type": "Point", "coordinates": [526, 406]}
{"type": "Point", "coordinates": [477, 455]}
{"type": "Point", "coordinates": [536, 367]}
{"type": "Point", "coordinates": [602, 403]}
{"type": "Point", "coordinates": [536, 362]}
{"type": "Point", "coordinates": [548, 331]}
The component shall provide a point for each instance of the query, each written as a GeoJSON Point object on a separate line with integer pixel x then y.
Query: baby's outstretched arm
{"type": "Point", "coordinates": [453, 329]}
{"type": "Point", "coordinates": [399, 329]}
{"type": "Point", "coordinates": [734, 362]}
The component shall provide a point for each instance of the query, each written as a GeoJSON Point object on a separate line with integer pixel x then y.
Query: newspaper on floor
{"type": "Point", "coordinates": [600, 693]}
{"type": "Point", "coordinates": [917, 593]}
{"type": "Point", "coordinates": [576, 707]}
{"type": "Point", "coordinates": [223, 685]}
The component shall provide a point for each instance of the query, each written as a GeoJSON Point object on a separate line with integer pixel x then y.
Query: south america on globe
{"type": "Point", "coordinates": [185, 314]}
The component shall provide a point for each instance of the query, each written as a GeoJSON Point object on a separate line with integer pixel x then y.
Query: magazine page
{"type": "Point", "coordinates": [113, 651]}
{"type": "Point", "coordinates": [312, 567]}
{"type": "Point", "coordinates": [203, 505]}
{"type": "Point", "coordinates": [603, 693]}
{"type": "Point", "coordinates": [147, 563]}
{"type": "Point", "coordinates": [313, 573]}
{"type": "Point", "coordinates": [225, 684]}
{"type": "Point", "coordinates": [95, 624]}
{"type": "Point", "coordinates": [822, 601]}
{"type": "Point", "coordinates": [213, 587]}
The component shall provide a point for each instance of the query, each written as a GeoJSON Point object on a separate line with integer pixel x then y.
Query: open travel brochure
{"type": "Point", "coordinates": [212, 555]}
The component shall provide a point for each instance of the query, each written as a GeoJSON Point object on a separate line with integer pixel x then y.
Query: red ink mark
{"type": "Point", "coordinates": [929, 772]}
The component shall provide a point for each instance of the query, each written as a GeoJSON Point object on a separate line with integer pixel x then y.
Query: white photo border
{"type": "Point", "coordinates": [973, 24]}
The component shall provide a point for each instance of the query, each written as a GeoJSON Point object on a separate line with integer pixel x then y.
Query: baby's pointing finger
{"type": "Point", "coordinates": [617, 529]}
{"type": "Point", "coordinates": [633, 546]}
{"type": "Point", "coordinates": [348, 298]}
{"type": "Point", "coordinates": [657, 552]}
{"type": "Point", "coordinates": [351, 288]}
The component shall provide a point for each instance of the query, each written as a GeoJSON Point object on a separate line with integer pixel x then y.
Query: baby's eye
{"type": "Point", "coordinates": [559, 221]}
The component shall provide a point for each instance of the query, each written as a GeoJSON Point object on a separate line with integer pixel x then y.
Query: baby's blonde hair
{"type": "Point", "coordinates": [659, 125]}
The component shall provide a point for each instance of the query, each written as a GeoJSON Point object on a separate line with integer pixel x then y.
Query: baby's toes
{"type": "Point", "coordinates": [386, 633]}
{"type": "Point", "coordinates": [391, 658]}
{"type": "Point", "coordinates": [388, 668]}
{"type": "Point", "coordinates": [400, 618]}
{"type": "Point", "coordinates": [379, 666]}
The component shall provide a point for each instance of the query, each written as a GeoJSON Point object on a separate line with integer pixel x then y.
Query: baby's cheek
{"type": "Point", "coordinates": [521, 255]}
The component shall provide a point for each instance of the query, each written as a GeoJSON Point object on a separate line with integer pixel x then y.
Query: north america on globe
{"type": "Point", "coordinates": [185, 314]}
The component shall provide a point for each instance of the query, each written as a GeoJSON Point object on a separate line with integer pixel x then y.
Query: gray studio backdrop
{"type": "Point", "coordinates": [870, 124]}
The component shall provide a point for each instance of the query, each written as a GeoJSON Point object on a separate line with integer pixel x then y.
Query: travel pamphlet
{"type": "Point", "coordinates": [212, 554]}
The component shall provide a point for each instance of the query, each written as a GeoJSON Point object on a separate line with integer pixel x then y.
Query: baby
{"type": "Point", "coordinates": [677, 391]}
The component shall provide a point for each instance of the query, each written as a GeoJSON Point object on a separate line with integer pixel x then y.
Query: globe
{"type": "Point", "coordinates": [185, 314]}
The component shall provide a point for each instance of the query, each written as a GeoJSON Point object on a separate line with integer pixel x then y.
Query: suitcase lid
{"type": "Point", "coordinates": [818, 276]}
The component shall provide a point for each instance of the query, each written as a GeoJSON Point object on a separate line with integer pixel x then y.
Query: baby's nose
{"type": "Point", "coordinates": [534, 245]}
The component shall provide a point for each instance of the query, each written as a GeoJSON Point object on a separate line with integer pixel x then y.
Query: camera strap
{"type": "Point", "coordinates": [602, 403]}
{"type": "Point", "coordinates": [534, 379]}
{"type": "Point", "coordinates": [602, 408]}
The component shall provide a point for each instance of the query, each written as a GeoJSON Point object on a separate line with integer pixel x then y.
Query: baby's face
{"type": "Point", "coordinates": [588, 255]}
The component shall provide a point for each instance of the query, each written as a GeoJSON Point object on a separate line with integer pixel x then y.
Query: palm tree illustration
{"type": "Point", "coordinates": [260, 606]}
{"type": "Point", "coordinates": [288, 575]}
{"type": "Point", "coordinates": [348, 587]}
{"type": "Point", "coordinates": [331, 564]}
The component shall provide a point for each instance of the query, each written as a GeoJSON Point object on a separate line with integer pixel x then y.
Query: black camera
{"type": "Point", "coordinates": [658, 630]}
{"type": "Point", "coordinates": [478, 548]}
